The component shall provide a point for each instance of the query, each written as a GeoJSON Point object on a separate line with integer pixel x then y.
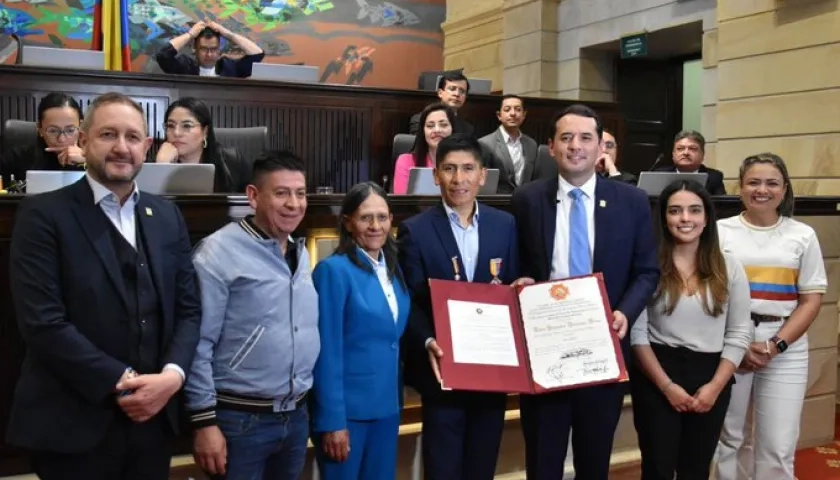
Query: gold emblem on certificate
{"type": "Point", "coordinates": [495, 270]}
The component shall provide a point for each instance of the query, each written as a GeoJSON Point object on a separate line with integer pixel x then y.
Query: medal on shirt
{"type": "Point", "coordinates": [456, 268]}
{"type": "Point", "coordinates": [495, 270]}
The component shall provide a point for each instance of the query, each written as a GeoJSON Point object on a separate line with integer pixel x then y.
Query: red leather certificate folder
{"type": "Point", "coordinates": [559, 335]}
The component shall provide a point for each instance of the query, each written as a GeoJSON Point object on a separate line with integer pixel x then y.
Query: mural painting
{"type": "Point", "coordinates": [353, 42]}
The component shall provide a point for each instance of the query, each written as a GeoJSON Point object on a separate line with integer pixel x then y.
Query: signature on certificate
{"type": "Point", "coordinates": [576, 353]}
{"type": "Point", "coordinates": [555, 371]}
{"type": "Point", "coordinates": [595, 367]}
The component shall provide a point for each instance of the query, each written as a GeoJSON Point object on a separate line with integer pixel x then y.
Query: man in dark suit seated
{"type": "Point", "coordinates": [688, 153]}
{"type": "Point", "coordinates": [512, 152]}
{"type": "Point", "coordinates": [453, 88]}
{"type": "Point", "coordinates": [461, 240]}
{"type": "Point", "coordinates": [108, 307]}
{"type": "Point", "coordinates": [574, 224]}
{"type": "Point", "coordinates": [206, 40]}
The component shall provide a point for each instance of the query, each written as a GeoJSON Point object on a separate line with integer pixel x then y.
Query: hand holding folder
{"type": "Point", "coordinates": [527, 339]}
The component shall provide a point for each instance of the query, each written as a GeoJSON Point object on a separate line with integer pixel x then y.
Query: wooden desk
{"type": "Point", "coordinates": [344, 133]}
{"type": "Point", "coordinates": [206, 214]}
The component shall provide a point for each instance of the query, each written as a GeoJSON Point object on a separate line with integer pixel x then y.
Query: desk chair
{"type": "Point", "coordinates": [17, 133]}
{"type": "Point", "coordinates": [250, 141]}
{"type": "Point", "coordinates": [545, 167]}
{"type": "Point", "coordinates": [403, 143]}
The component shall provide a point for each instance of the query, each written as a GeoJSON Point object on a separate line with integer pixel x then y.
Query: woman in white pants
{"type": "Point", "coordinates": [784, 265]}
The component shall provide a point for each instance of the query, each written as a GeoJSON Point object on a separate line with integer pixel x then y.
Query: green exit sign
{"type": "Point", "coordinates": [635, 45]}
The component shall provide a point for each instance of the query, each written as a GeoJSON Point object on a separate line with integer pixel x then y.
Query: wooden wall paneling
{"type": "Point", "coordinates": [332, 141]}
{"type": "Point", "coordinates": [17, 104]}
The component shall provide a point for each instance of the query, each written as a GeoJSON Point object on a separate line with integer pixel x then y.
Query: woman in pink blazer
{"type": "Point", "coordinates": [437, 120]}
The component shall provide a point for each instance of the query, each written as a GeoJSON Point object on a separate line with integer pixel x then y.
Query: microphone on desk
{"type": "Point", "coordinates": [659, 159]}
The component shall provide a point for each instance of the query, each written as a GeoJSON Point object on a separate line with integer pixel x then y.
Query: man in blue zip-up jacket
{"type": "Point", "coordinates": [259, 334]}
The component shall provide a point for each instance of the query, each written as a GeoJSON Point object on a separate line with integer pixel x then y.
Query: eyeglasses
{"type": "Point", "coordinates": [185, 127]}
{"type": "Point", "coordinates": [56, 133]}
{"type": "Point", "coordinates": [208, 50]}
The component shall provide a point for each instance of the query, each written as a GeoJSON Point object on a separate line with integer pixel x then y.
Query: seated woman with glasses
{"type": "Point", "coordinates": [56, 147]}
{"type": "Point", "coordinates": [190, 138]}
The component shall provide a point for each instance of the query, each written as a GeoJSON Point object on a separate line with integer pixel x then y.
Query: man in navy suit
{"type": "Point", "coordinates": [457, 240]}
{"type": "Point", "coordinates": [611, 231]}
{"type": "Point", "coordinates": [107, 304]}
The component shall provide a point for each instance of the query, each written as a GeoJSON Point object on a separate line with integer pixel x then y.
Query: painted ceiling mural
{"type": "Point", "coordinates": [353, 42]}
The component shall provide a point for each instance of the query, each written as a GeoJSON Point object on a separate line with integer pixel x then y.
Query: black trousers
{"type": "Point", "coordinates": [128, 451]}
{"type": "Point", "coordinates": [461, 435]}
{"type": "Point", "coordinates": [673, 442]}
{"type": "Point", "coordinates": [591, 413]}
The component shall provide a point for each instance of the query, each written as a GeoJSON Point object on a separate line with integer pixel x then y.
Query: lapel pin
{"type": "Point", "coordinates": [149, 211]}
{"type": "Point", "coordinates": [602, 203]}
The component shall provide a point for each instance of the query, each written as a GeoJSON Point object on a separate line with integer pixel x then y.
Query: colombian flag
{"type": "Point", "coordinates": [110, 33]}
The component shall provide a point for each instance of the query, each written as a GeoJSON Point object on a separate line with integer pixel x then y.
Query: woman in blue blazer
{"type": "Point", "coordinates": [363, 310]}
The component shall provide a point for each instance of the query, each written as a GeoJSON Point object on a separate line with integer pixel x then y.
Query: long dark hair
{"type": "Point", "coordinates": [213, 151]}
{"type": "Point", "coordinates": [421, 148]}
{"type": "Point", "coordinates": [713, 280]}
{"type": "Point", "coordinates": [348, 246]}
{"type": "Point", "coordinates": [785, 208]}
{"type": "Point", "coordinates": [56, 100]}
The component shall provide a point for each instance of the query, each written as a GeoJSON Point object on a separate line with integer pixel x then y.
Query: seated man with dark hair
{"type": "Point", "coordinates": [208, 62]}
{"type": "Point", "coordinates": [688, 155]}
{"type": "Point", "coordinates": [606, 165]}
{"type": "Point", "coordinates": [453, 88]}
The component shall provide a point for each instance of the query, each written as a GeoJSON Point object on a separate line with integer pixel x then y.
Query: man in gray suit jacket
{"type": "Point", "coordinates": [514, 153]}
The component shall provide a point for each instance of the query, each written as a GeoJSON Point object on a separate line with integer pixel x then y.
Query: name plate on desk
{"type": "Point", "coordinates": [284, 73]}
{"type": "Point", "coordinates": [538, 338]}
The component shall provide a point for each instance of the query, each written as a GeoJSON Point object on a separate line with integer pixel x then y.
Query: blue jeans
{"type": "Point", "coordinates": [270, 446]}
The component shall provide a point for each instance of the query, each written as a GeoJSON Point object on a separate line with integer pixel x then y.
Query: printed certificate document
{"type": "Point", "coordinates": [549, 336]}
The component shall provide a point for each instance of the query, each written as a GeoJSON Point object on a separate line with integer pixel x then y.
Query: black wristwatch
{"type": "Point", "coordinates": [781, 345]}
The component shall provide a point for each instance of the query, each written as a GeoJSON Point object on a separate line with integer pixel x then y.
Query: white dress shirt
{"type": "Point", "coordinates": [560, 256]}
{"type": "Point", "coordinates": [123, 217]}
{"type": "Point", "coordinates": [514, 146]}
{"type": "Point", "coordinates": [381, 269]}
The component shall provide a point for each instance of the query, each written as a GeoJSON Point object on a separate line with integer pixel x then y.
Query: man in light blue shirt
{"type": "Point", "coordinates": [461, 430]}
{"type": "Point", "coordinates": [259, 333]}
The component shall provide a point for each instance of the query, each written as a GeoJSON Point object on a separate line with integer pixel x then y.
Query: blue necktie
{"type": "Point", "coordinates": [579, 261]}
